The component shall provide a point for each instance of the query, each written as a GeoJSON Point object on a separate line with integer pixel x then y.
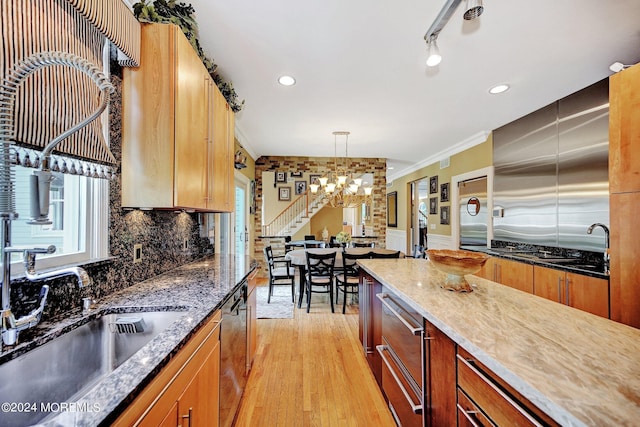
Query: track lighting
{"type": "Point", "coordinates": [433, 53]}
{"type": "Point", "coordinates": [473, 10]}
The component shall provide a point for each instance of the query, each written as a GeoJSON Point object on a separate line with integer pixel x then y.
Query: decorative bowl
{"type": "Point", "coordinates": [457, 263]}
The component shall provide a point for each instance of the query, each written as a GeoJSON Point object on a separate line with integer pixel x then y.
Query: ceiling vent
{"type": "Point", "coordinates": [444, 163]}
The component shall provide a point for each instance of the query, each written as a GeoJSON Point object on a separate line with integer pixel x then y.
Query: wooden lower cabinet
{"type": "Point", "coordinates": [252, 322]}
{"type": "Point", "coordinates": [514, 274]}
{"type": "Point", "coordinates": [485, 399]}
{"type": "Point", "coordinates": [585, 293]}
{"type": "Point", "coordinates": [440, 378]}
{"type": "Point", "coordinates": [186, 391]}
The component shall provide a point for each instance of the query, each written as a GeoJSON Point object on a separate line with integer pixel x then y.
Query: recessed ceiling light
{"type": "Point", "coordinates": [499, 89]}
{"type": "Point", "coordinates": [287, 81]}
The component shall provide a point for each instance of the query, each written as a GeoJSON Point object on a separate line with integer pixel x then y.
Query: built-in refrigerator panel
{"type": "Point", "coordinates": [551, 173]}
{"type": "Point", "coordinates": [525, 179]}
{"type": "Point", "coordinates": [583, 168]}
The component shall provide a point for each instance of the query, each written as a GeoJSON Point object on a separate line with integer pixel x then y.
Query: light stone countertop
{"type": "Point", "coordinates": [580, 369]}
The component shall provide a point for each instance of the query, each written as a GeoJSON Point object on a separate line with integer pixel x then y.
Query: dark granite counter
{"type": "Point", "coordinates": [573, 261]}
{"type": "Point", "coordinates": [198, 288]}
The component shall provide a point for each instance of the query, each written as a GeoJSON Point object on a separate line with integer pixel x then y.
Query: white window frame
{"type": "Point", "coordinates": [93, 200]}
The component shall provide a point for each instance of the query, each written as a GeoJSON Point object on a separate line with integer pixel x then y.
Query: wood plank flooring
{"type": "Point", "coordinates": [310, 371]}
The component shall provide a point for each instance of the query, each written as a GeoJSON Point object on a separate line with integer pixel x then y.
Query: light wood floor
{"type": "Point", "coordinates": [310, 371]}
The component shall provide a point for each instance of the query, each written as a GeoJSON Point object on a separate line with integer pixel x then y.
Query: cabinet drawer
{"type": "Point", "coordinates": [469, 415]}
{"type": "Point", "coordinates": [502, 406]}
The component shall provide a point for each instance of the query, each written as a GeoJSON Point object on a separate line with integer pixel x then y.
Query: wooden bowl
{"type": "Point", "coordinates": [456, 264]}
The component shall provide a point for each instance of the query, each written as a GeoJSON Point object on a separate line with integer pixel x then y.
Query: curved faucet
{"type": "Point", "coordinates": [606, 242]}
{"type": "Point", "coordinates": [39, 184]}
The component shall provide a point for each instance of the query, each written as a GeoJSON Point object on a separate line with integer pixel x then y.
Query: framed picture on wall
{"type": "Point", "coordinates": [281, 176]}
{"type": "Point", "coordinates": [301, 187]}
{"type": "Point", "coordinates": [433, 206]}
{"type": "Point", "coordinates": [444, 192]}
{"type": "Point", "coordinates": [295, 174]}
{"type": "Point", "coordinates": [284, 194]}
{"type": "Point", "coordinates": [433, 185]}
{"type": "Point", "coordinates": [314, 179]}
{"type": "Point", "coordinates": [392, 209]}
{"type": "Point", "coordinates": [444, 215]}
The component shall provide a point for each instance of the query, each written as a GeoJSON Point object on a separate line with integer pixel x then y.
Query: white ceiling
{"type": "Point", "coordinates": [360, 66]}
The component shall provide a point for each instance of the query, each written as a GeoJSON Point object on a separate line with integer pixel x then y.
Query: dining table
{"type": "Point", "coordinates": [298, 258]}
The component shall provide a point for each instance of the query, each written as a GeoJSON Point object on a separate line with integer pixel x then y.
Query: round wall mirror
{"type": "Point", "coordinates": [473, 206]}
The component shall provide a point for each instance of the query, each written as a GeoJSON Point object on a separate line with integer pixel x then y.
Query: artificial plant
{"type": "Point", "coordinates": [181, 14]}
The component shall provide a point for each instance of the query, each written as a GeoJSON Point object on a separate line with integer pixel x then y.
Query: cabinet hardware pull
{"type": "Point", "coordinates": [467, 415]}
{"type": "Point", "coordinates": [567, 282]}
{"type": "Point", "coordinates": [414, 330]}
{"type": "Point", "coordinates": [559, 289]}
{"type": "Point", "coordinates": [505, 397]}
{"type": "Point", "coordinates": [417, 409]}
{"type": "Point", "coordinates": [188, 416]}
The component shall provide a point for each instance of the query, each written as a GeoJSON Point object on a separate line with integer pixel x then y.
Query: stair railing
{"type": "Point", "coordinates": [295, 211]}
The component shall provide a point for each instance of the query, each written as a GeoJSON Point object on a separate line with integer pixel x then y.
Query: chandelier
{"type": "Point", "coordinates": [338, 187]}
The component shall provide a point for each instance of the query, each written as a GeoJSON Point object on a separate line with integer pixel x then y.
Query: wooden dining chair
{"type": "Point", "coordinates": [348, 280]}
{"type": "Point", "coordinates": [320, 269]}
{"type": "Point", "coordinates": [280, 273]}
{"type": "Point", "coordinates": [395, 254]}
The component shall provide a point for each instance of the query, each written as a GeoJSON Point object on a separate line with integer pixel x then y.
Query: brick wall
{"type": "Point", "coordinates": [320, 165]}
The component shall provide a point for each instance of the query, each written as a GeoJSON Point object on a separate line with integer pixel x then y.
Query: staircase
{"type": "Point", "coordinates": [295, 216]}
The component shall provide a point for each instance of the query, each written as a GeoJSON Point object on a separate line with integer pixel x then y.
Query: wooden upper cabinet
{"type": "Point", "coordinates": [624, 131]}
{"type": "Point", "coordinates": [221, 185]}
{"type": "Point", "coordinates": [168, 114]}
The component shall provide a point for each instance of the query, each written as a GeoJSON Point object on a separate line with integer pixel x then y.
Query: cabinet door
{"type": "Point", "coordinates": [488, 270]}
{"type": "Point", "coordinates": [197, 406]}
{"type": "Point", "coordinates": [548, 283]}
{"type": "Point", "coordinates": [440, 377]}
{"type": "Point", "coordinates": [588, 294]}
{"type": "Point", "coordinates": [624, 128]}
{"type": "Point", "coordinates": [148, 121]}
{"type": "Point", "coordinates": [171, 420]}
{"type": "Point", "coordinates": [221, 179]}
{"type": "Point", "coordinates": [518, 275]}
{"type": "Point", "coordinates": [191, 98]}
{"type": "Point", "coordinates": [251, 326]}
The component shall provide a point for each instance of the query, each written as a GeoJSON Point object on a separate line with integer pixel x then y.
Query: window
{"type": "Point", "coordinates": [77, 229]}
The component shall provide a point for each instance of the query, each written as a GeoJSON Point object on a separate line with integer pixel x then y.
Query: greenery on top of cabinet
{"type": "Point", "coordinates": [180, 14]}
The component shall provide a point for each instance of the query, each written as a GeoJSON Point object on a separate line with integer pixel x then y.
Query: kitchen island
{"type": "Point", "coordinates": [199, 289]}
{"type": "Point", "coordinates": [577, 368]}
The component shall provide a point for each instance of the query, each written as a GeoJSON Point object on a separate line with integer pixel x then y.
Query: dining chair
{"type": "Point", "coordinates": [348, 280]}
{"type": "Point", "coordinates": [280, 273]}
{"type": "Point", "coordinates": [320, 269]}
{"type": "Point", "coordinates": [395, 254]}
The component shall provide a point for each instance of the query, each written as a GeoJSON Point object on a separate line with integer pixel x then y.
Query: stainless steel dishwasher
{"type": "Point", "coordinates": [233, 341]}
{"type": "Point", "coordinates": [402, 352]}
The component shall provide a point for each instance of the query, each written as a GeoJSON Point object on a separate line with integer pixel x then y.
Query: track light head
{"type": "Point", "coordinates": [433, 53]}
{"type": "Point", "coordinates": [473, 10]}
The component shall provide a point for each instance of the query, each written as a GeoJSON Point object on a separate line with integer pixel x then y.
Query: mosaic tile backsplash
{"type": "Point", "coordinates": [161, 234]}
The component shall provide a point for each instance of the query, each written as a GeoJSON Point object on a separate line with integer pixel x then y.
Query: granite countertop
{"type": "Point", "coordinates": [198, 288]}
{"type": "Point", "coordinates": [580, 369]}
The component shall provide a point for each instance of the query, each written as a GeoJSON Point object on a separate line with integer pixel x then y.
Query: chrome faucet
{"type": "Point", "coordinates": [39, 185]}
{"type": "Point", "coordinates": [606, 243]}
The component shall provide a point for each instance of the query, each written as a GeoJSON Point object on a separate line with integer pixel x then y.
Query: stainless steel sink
{"type": "Point", "coordinates": [67, 367]}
